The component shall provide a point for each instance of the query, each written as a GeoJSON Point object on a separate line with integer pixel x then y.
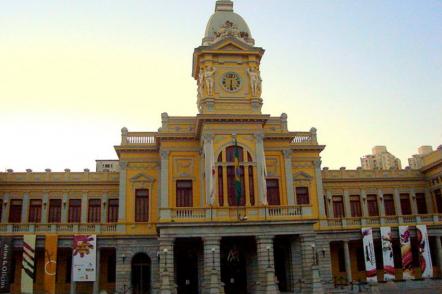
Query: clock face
{"type": "Point", "coordinates": [231, 81]}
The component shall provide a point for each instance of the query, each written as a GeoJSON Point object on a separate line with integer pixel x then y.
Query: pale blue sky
{"type": "Point", "coordinates": [72, 73]}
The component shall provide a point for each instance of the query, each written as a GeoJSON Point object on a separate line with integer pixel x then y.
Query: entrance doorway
{"type": "Point", "coordinates": [283, 260]}
{"type": "Point", "coordinates": [186, 256]}
{"type": "Point", "coordinates": [234, 251]}
{"type": "Point", "coordinates": [140, 274]}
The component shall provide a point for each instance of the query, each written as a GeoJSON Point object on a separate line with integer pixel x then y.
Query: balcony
{"type": "Point", "coordinates": [68, 229]}
{"type": "Point", "coordinates": [234, 214]}
{"type": "Point", "coordinates": [377, 221]}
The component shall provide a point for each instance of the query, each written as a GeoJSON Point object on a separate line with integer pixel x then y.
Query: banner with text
{"type": "Point", "coordinates": [387, 254]}
{"type": "Point", "coordinates": [425, 262]}
{"type": "Point", "coordinates": [369, 255]}
{"type": "Point", "coordinates": [407, 255]}
{"type": "Point", "coordinates": [50, 263]}
{"type": "Point", "coordinates": [84, 258]}
{"type": "Point", "coordinates": [5, 264]}
{"type": "Point", "coordinates": [28, 264]}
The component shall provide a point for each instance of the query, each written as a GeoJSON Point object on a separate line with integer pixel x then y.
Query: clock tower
{"type": "Point", "coordinates": [226, 65]}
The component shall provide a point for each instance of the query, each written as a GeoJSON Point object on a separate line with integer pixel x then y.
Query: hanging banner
{"type": "Point", "coordinates": [425, 262]}
{"type": "Point", "coordinates": [28, 264]}
{"type": "Point", "coordinates": [84, 258]}
{"type": "Point", "coordinates": [407, 255]}
{"type": "Point", "coordinates": [50, 263]}
{"type": "Point", "coordinates": [5, 264]}
{"type": "Point", "coordinates": [369, 255]}
{"type": "Point", "coordinates": [387, 254]}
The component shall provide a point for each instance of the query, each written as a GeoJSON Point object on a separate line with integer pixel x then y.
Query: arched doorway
{"type": "Point", "coordinates": [140, 274]}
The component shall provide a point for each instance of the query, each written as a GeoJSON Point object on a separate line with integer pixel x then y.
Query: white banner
{"type": "Point", "coordinates": [28, 264]}
{"type": "Point", "coordinates": [369, 255]}
{"type": "Point", "coordinates": [84, 258]}
{"type": "Point", "coordinates": [387, 254]}
{"type": "Point", "coordinates": [407, 255]}
{"type": "Point", "coordinates": [424, 252]}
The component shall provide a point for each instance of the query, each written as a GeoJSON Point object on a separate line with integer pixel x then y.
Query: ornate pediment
{"type": "Point", "coordinates": [302, 176]}
{"type": "Point", "coordinates": [142, 178]}
{"type": "Point", "coordinates": [230, 44]}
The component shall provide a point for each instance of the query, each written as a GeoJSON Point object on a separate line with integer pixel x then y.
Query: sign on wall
{"type": "Point", "coordinates": [369, 255]}
{"type": "Point", "coordinates": [28, 264]}
{"type": "Point", "coordinates": [84, 258]}
{"type": "Point", "coordinates": [425, 262]}
{"type": "Point", "coordinates": [5, 264]}
{"type": "Point", "coordinates": [407, 255]}
{"type": "Point", "coordinates": [387, 254]}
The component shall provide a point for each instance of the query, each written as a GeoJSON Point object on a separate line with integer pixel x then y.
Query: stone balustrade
{"type": "Point", "coordinates": [305, 138]}
{"type": "Point", "coordinates": [59, 228]}
{"type": "Point", "coordinates": [138, 138]}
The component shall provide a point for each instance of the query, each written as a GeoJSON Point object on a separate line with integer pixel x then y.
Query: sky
{"type": "Point", "coordinates": [73, 73]}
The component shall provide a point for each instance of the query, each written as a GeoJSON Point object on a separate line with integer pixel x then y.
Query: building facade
{"type": "Point", "coordinates": [380, 158]}
{"type": "Point", "coordinates": [227, 201]}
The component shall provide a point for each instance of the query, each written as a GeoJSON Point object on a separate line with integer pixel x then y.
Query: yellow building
{"type": "Point", "coordinates": [227, 201]}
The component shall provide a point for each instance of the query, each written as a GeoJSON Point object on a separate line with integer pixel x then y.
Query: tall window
{"type": "Point", "coordinates": [54, 211]}
{"type": "Point", "coordinates": [438, 197]}
{"type": "Point", "coordinates": [338, 207]}
{"type": "Point", "coordinates": [15, 211]}
{"type": "Point", "coordinates": [355, 206]}
{"type": "Point", "coordinates": [184, 195]}
{"type": "Point", "coordinates": [389, 205]}
{"type": "Point", "coordinates": [1, 208]}
{"type": "Point", "coordinates": [421, 203]}
{"type": "Point", "coordinates": [226, 170]}
{"type": "Point", "coordinates": [74, 215]}
{"type": "Point", "coordinates": [141, 205]}
{"type": "Point", "coordinates": [302, 195]}
{"type": "Point", "coordinates": [94, 211]}
{"type": "Point", "coordinates": [405, 204]}
{"type": "Point", "coordinates": [112, 211]}
{"type": "Point", "coordinates": [273, 192]}
{"type": "Point", "coordinates": [372, 205]}
{"type": "Point", "coordinates": [34, 211]}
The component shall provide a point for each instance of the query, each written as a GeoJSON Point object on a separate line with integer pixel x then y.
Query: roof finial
{"type": "Point", "coordinates": [224, 5]}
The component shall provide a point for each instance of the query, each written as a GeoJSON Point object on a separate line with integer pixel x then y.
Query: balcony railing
{"type": "Point", "coordinates": [59, 228]}
{"type": "Point", "coordinates": [376, 221]}
{"type": "Point", "coordinates": [228, 214]}
{"type": "Point", "coordinates": [305, 138]}
{"type": "Point", "coordinates": [138, 138]}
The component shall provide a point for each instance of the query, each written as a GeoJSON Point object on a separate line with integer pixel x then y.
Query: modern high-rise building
{"type": "Point", "coordinates": [227, 201]}
{"type": "Point", "coordinates": [380, 159]}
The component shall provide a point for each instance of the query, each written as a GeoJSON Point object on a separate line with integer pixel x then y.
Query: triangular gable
{"type": "Point", "coordinates": [302, 176]}
{"type": "Point", "coordinates": [230, 44]}
{"type": "Point", "coordinates": [142, 178]}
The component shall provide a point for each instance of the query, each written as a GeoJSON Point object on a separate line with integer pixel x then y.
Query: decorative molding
{"type": "Point", "coordinates": [302, 176]}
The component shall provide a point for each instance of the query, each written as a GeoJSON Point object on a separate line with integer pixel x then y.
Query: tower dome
{"type": "Point", "coordinates": [226, 23]}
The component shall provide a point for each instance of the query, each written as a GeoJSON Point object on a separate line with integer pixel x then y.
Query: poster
{"type": "Point", "coordinates": [369, 255]}
{"type": "Point", "coordinates": [387, 254]}
{"type": "Point", "coordinates": [407, 255]}
{"type": "Point", "coordinates": [28, 264]}
{"type": "Point", "coordinates": [50, 268]}
{"type": "Point", "coordinates": [5, 264]}
{"type": "Point", "coordinates": [425, 263]}
{"type": "Point", "coordinates": [84, 258]}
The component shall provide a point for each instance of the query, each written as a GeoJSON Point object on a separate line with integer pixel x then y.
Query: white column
{"type": "Point", "coordinates": [289, 176]}
{"type": "Point", "coordinates": [164, 203]}
{"type": "Point", "coordinates": [5, 213]}
{"type": "Point", "coordinates": [266, 264]}
{"type": "Point", "coordinates": [347, 262]}
{"type": "Point", "coordinates": [319, 188]}
{"type": "Point", "coordinates": [45, 209]}
{"type": "Point", "coordinates": [64, 208]}
{"type": "Point", "coordinates": [122, 193]}
{"type": "Point", "coordinates": [84, 208]}
{"type": "Point", "coordinates": [260, 162]}
{"type": "Point", "coordinates": [25, 208]}
{"type": "Point", "coordinates": [208, 153]}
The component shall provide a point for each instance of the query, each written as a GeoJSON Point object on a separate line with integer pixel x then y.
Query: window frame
{"type": "Point", "coordinates": [142, 216]}
{"type": "Point", "coordinates": [183, 193]}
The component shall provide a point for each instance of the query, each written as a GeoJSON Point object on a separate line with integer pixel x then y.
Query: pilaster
{"type": "Point", "coordinates": [164, 199]}
{"type": "Point", "coordinates": [260, 168]}
{"type": "Point", "coordinates": [289, 176]}
{"type": "Point", "coordinates": [25, 208]}
{"type": "Point", "coordinates": [319, 188]}
{"type": "Point", "coordinates": [122, 193]}
{"type": "Point", "coordinates": [84, 208]}
{"type": "Point", "coordinates": [5, 212]}
{"type": "Point", "coordinates": [308, 247]}
{"type": "Point", "coordinates": [167, 276]}
{"type": "Point", "coordinates": [347, 208]}
{"type": "Point", "coordinates": [439, 253]}
{"type": "Point", "coordinates": [397, 203]}
{"type": "Point", "coordinates": [64, 208]}
{"type": "Point", "coordinates": [45, 209]}
{"type": "Point", "coordinates": [212, 266]}
{"type": "Point", "coordinates": [381, 202]}
{"type": "Point", "coordinates": [347, 262]}
{"type": "Point", "coordinates": [104, 205]}
{"type": "Point", "coordinates": [266, 265]}
{"type": "Point", "coordinates": [429, 201]}
{"type": "Point", "coordinates": [96, 286]}
{"type": "Point", "coordinates": [208, 157]}
{"type": "Point", "coordinates": [330, 205]}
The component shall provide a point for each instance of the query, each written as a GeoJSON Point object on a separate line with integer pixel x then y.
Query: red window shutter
{"type": "Point", "coordinates": [421, 203]}
{"type": "Point", "coordinates": [355, 206]}
{"type": "Point", "coordinates": [74, 211]}
{"type": "Point", "coordinates": [405, 204]}
{"type": "Point", "coordinates": [141, 205]}
{"type": "Point", "coordinates": [338, 207]}
{"type": "Point", "coordinates": [273, 192]}
{"type": "Point", "coordinates": [302, 195]}
{"type": "Point", "coordinates": [372, 205]}
{"type": "Point", "coordinates": [94, 211]}
{"type": "Point", "coordinates": [251, 184]}
{"type": "Point", "coordinates": [54, 211]}
{"type": "Point", "coordinates": [15, 211]}
{"type": "Point", "coordinates": [34, 211]}
{"type": "Point", "coordinates": [112, 210]}
{"type": "Point", "coordinates": [220, 186]}
{"type": "Point", "coordinates": [184, 194]}
{"type": "Point", "coordinates": [389, 205]}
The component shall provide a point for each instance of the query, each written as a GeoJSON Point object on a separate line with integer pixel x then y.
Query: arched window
{"type": "Point", "coordinates": [227, 192]}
